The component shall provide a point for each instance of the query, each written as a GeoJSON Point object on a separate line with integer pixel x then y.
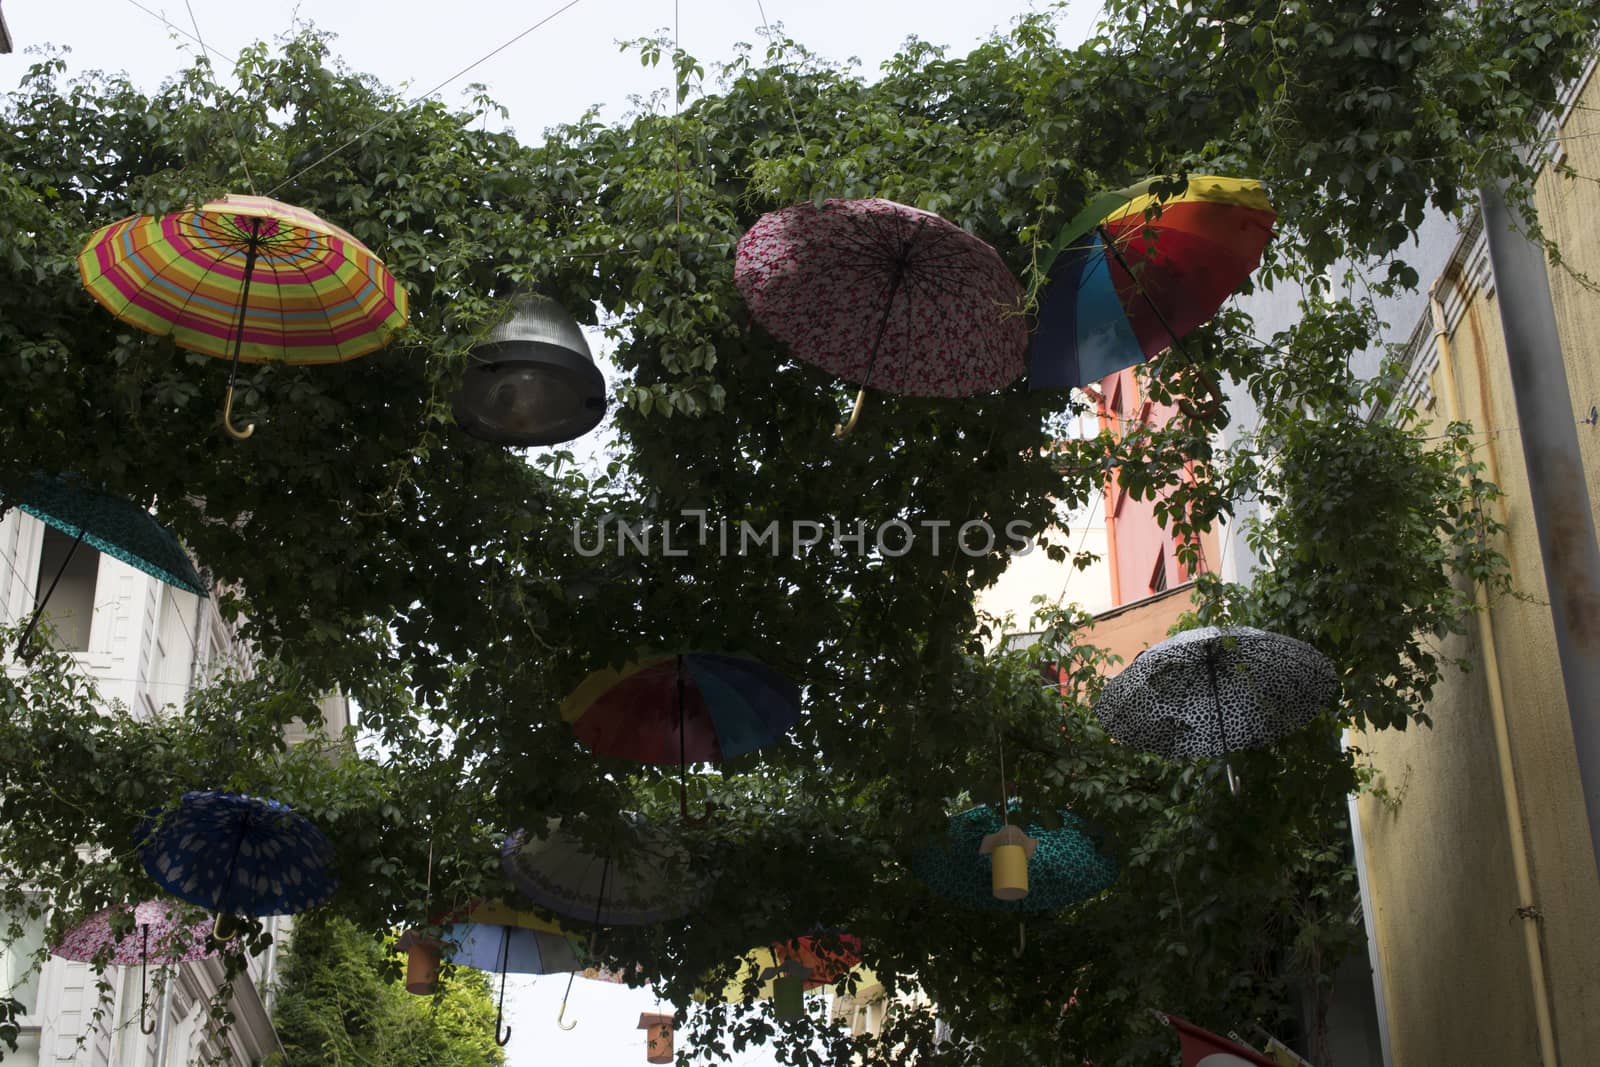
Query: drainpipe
{"type": "Point", "coordinates": [1494, 686]}
{"type": "Point", "coordinates": [1556, 484]}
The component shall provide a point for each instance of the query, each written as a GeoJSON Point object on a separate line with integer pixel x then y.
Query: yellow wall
{"type": "Point", "coordinates": [1445, 903]}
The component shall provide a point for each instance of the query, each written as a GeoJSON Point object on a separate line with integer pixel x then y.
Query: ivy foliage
{"type": "Point", "coordinates": [341, 1003]}
{"type": "Point", "coordinates": [361, 541]}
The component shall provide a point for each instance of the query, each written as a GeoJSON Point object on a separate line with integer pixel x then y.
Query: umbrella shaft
{"type": "Point", "coordinates": [1111, 245]}
{"type": "Point", "coordinates": [38, 610]}
{"type": "Point", "coordinates": [244, 298]}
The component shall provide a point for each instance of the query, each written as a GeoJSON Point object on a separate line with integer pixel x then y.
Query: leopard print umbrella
{"type": "Point", "coordinates": [1212, 691]}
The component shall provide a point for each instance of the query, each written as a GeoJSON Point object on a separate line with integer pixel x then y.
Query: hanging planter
{"type": "Point", "coordinates": [788, 990]}
{"type": "Point", "coordinates": [1009, 850]}
{"type": "Point", "coordinates": [658, 1037]}
{"type": "Point", "coordinates": [424, 956]}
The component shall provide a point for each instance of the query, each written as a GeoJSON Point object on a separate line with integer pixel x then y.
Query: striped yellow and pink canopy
{"type": "Point", "coordinates": [316, 294]}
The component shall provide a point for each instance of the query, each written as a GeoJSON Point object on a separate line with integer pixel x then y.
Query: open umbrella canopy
{"type": "Point", "coordinates": [245, 278]}
{"type": "Point", "coordinates": [317, 295]}
{"type": "Point", "coordinates": [824, 959]}
{"type": "Point", "coordinates": [886, 296]}
{"type": "Point", "coordinates": [1211, 691]}
{"type": "Point", "coordinates": [1067, 866]}
{"type": "Point", "coordinates": [237, 855]}
{"type": "Point", "coordinates": [1123, 286]}
{"type": "Point", "coordinates": [161, 933]}
{"type": "Point", "coordinates": [117, 527]}
{"type": "Point", "coordinates": [692, 707]}
{"type": "Point", "coordinates": [637, 877]}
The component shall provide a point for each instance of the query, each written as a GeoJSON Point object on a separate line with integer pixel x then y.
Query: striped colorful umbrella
{"type": "Point", "coordinates": [692, 707]}
{"type": "Point", "coordinates": [1123, 287]}
{"type": "Point", "coordinates": [245, 278]}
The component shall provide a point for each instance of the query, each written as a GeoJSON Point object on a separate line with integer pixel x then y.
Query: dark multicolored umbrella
{"type": "Point", "coordinates": [117, 527]}
{"type": "Point", "coordinates": [885, 295]}
{"type": "Point", "coordinates": [692, 707]}
{"type": "Point", "coordinates": [237, 855]}
{"type": "Point", "coordinates": [634, 879]}
{"type": "Point", "coordinates": [1212, 691]}
{"type": "Point", "coordinates": [1066, 867]}
{"type": "Point", "coordinates": [161, 933]}
{"type": "Point", "coordinates": [245, 278]}
{"type": "Point", "coordinates": [1122, 286]}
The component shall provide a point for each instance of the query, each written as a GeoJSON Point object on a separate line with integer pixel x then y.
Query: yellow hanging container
{"type": "Point", "coordinates": [1009, 850]}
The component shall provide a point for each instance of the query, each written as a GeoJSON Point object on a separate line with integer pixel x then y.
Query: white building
{"type": "Point", "coordinates": [146, 644]}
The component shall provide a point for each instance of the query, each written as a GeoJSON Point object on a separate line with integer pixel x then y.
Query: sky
{"type": "Point", "coordinates": [549, 76]}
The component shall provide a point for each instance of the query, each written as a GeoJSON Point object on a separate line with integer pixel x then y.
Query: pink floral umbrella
{"type": "Point", "coordinates": [885, 295]}
{"type": "Point", "coordinates": [161, 934]}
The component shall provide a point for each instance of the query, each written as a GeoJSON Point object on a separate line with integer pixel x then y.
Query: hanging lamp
{"type": "Point", "coordinates": [531, 380]}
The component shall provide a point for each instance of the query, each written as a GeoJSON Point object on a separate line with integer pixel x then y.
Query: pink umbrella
{"type": "Point", "coordinates": [160, 934]}
{"type": "Point", "coordinates": [885, 295]}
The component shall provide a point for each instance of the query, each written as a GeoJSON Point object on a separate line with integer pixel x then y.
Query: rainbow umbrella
{"type": "Point", "coordinates": [687, 708]}
{"type": "Point", "coordinates": [1123, 286]}
{"type": "Point", "coordinates": [884, 295]}
{"type": "Point", "coordinates": [160, 933]}
{"type": "Point", "coordinates": [245, 278]}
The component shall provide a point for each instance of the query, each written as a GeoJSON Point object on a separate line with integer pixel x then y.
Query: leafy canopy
{"type": "Point", "coordinates": [364, 542]}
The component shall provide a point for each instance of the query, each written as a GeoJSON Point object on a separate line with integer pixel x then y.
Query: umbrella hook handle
{"type": "Point", "coordinates": [845, 429]}
{"type": "Point", "coordinates": [144, 958]}
{"type": "Point", "coordinates": [227, 420]}
{"type": "Point", "coordinates": [561, 1016]}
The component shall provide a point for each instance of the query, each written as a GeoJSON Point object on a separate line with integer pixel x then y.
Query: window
{"type": "Point", "coordinates": [1158, 577]}
{"type": "Point", "coordinates": [70, 609]}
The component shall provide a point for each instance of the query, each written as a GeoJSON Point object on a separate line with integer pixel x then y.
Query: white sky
{"type": "Point", "coordinates": [548, 77]}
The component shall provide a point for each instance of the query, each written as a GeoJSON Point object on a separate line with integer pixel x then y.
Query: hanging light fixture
{"type": "Point", "coordinates": [531, 381]}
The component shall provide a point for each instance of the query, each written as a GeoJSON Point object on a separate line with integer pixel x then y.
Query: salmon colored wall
{"type": "Point", "coordinates": [1135, 539]}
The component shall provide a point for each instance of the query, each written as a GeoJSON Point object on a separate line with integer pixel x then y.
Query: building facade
{"type": "Point", "coordinates": [146, 645]}
{"type": "Point", "coordinates": [1483, 892]}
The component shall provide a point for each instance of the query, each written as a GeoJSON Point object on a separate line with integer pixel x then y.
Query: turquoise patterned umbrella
{"type": "Point", "coordinates": [1067, 866]}
{"type": "Point", "coordinates": [117, 527]}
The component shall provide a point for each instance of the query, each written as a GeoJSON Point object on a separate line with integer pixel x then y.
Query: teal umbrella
{"type": "Point", "coordinates": [1067, 865]}
{"type": "Point", "coordinates": [115, 526]}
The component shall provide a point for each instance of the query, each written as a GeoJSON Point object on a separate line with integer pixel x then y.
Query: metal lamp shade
{"type": "Point", "coordinates": [532, 380]}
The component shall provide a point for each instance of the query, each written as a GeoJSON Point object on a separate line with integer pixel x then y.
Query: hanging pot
{"type": "Point", "coordinates": [1009, 850]}
{"type": "Point", "coordinates": [658, 1037]}
{"type": "Point", "coordinates": [424, 956]}
{"type": "Point", "coordinates": [788, 991]}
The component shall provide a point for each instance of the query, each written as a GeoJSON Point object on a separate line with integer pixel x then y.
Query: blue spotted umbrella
{"type": "Point", "coordinates": [237, 855]}
{"type": "Point", "coordinates": [1067, 866]}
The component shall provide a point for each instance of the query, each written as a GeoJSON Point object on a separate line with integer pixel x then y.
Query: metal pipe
{"type": "Point", "coordinates": [1557, 490]}
{"type": "Point", "coordinates": [1533, 947]}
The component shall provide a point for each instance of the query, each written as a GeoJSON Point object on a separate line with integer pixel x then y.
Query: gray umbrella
{"type": "Point", "coordinates": [1212, 691]}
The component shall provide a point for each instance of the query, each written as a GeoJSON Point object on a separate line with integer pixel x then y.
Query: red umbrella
{"type": "Point", "coordinates": [885, 295]}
